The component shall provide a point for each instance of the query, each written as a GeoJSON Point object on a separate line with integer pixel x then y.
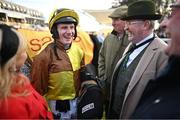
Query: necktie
{"type": "Point", "coordinates": [126, 58]}
{"type": "Point", "coordinates": [132, 47]}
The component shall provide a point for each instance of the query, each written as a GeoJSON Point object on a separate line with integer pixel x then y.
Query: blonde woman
{"type": "Point", "coordinates": [17, 97]}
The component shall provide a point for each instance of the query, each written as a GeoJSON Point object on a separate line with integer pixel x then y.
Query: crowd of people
{"type": "Point", "coordinates": [134, 73]}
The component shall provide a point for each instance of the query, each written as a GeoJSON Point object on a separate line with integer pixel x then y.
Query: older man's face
{"type": "Point", "coordinates": [174, 29]}
{"type": "Point", "coordinates": [118, 25]}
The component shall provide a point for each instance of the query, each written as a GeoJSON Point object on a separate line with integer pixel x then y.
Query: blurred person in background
{"type": "Point", "coordinates": [112, 49]}
{"type": "Point", "coordinates": [26, 68]}
{"type": "Point", "coordinates": [18, 99]}
{"type": "Point", "coordinates": [161, 97]}
{"type": "Point", "coordinates": [97, 45]}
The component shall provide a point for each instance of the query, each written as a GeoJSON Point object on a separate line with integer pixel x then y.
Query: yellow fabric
{"type": "Point", "coordinates": [64, 13]}
{"type": "Point", "coordinates": [36, 41]}
{"type": "Point", "coordinates": [61, 86]}
{"type": "Point", "coordinates": [72, 56]}
{"type": "Point", "coordinates": [84, 41]}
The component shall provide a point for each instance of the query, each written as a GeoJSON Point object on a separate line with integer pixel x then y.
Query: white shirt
{"type": "Point", "coordinates": [137, 51]}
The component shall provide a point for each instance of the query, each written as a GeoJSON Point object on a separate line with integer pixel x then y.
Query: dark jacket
{"type": "Point", "coordinates": [97, 46]}
{"type": "Point", "coordinates": [161, 98]}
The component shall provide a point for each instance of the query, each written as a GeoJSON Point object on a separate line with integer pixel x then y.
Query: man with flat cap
{"type": "Point", "coordinates": [142, 60]}
{"type": "Point", "coordinates": [112, 49]}
{"type": "Point", "coordinates": [161, 97]}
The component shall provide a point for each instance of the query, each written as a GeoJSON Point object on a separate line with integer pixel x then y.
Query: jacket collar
{"type": "Point", "coordinates": [61, 46]}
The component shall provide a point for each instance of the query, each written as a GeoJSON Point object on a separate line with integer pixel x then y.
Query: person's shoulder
{"type": "Point", "coordinates": [22, 107]}
{"type": "Point", "coordinates": [43, 53]}
{"type": "Point", "coordinates": [110, 36]}
{"type": "Point", "coordinates": [49, 47]}
{"type": "Point", "coordinates": [14, 107]}
{"type": "Point", "coordinates": [75, 46]}
{"type": "Point", "coordinates": [159, 42]}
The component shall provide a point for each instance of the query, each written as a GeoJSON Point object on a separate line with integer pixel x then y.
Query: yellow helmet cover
{"type": "Point", "coordinates": [61, 14]}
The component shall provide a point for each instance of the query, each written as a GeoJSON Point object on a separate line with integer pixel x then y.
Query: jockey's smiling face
{"type": "Point", "coordinates": [66, 33]}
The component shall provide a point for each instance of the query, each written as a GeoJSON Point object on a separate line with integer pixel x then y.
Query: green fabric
{"type": "Point", "coordinates": [119, 12]}
{"type": "Point", "coordinates": [125, 61]}
{"type": "Point", "coordinates": [144, 9]}
{"type": "Point", "coordinates": [111, 51]}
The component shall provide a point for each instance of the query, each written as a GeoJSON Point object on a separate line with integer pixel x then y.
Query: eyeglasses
{"type": "Point", "coordinates": [133, 22]}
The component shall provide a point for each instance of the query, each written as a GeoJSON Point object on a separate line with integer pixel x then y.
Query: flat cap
{"type": "Point", "coordinates": [119, 12]}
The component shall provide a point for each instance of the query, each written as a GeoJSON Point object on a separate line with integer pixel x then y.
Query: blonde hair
{"type": "Point", "coordinates": [8, 71]}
